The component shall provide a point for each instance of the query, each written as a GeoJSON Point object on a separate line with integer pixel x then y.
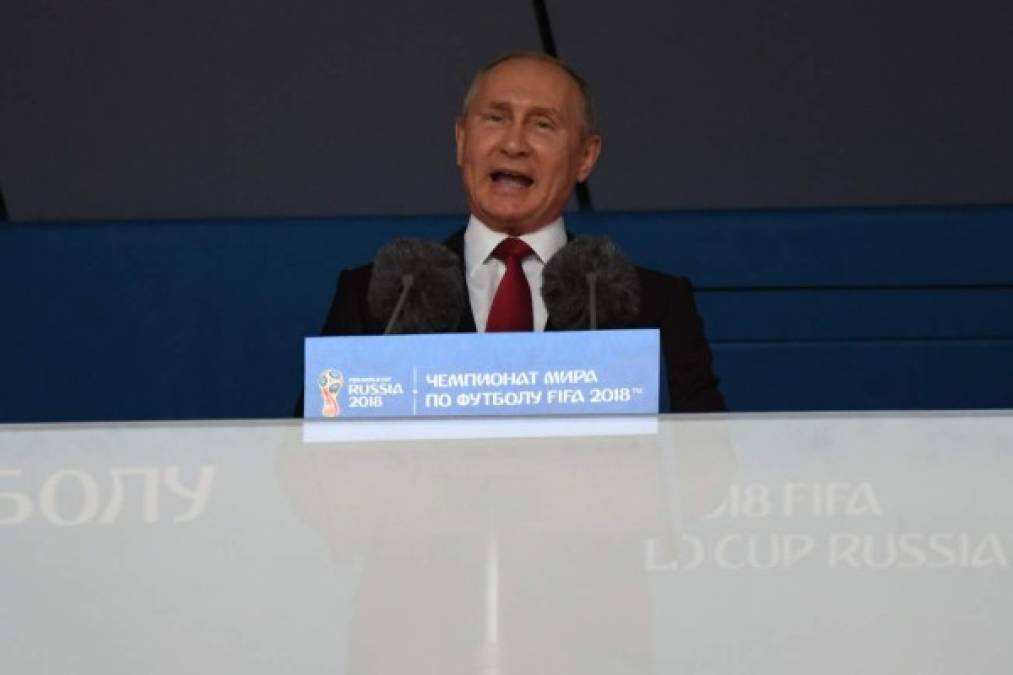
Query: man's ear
{"type": "Point", "coordinates": [589, 156]}
{"type": "Point", "coordinates": [459, 137]}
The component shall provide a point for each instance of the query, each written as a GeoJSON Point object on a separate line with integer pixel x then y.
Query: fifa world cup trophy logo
{"type": "Point", "coordinates": [330, 382]}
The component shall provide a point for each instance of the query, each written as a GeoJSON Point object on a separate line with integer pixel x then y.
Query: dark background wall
{"type": "Point", "coordinates": [184, 179]}
{"type": "Point", "coordinates": [223, 108]}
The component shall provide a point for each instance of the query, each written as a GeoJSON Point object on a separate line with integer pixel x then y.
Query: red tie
{"type": "Point", "coordinates": [511, 307]}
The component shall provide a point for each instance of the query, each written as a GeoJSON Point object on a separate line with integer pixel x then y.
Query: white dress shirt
{"type": "Point", "coordinates": [483, 272]}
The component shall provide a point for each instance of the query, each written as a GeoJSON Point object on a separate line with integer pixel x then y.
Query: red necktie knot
{"type": "Point", "coordinates": [511, 247]}
{"type": "Point", "coordinates": [511, 306]}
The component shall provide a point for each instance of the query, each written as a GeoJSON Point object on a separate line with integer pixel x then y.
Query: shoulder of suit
{"type": "Point", "coordinates": [654, 279]}
{"type": "Point", "coordinates": [356, 274]}
{"type": "Point", "coordinates": [455, 243]}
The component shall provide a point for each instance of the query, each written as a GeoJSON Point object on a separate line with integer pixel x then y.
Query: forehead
{"type": "Point", "coordinates": [529, 82]}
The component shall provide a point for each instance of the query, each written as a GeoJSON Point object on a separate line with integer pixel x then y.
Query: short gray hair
{"type": "Point", "coordinates": [590, 116]}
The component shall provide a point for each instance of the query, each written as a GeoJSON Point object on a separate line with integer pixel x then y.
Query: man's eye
{"type": "Point", "coordinates": [493, 117]}
{"type": "Point", "coordinates": [544, 124]}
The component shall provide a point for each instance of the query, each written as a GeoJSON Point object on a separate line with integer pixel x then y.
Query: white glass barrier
{"type": "Point", "coordinates": [873, 543]}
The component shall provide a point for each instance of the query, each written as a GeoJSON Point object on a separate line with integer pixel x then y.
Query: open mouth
{"type": "Point", "coordinates": [512, 178]}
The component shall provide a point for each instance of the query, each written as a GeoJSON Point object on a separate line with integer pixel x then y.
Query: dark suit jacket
{"type": "Point", "coordinates": [666, 302]}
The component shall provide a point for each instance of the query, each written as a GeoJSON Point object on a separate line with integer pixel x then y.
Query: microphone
{"type": "Point", "coordinates": [418, 284]}
{"type": "Point", "coordinates": [589, 283]}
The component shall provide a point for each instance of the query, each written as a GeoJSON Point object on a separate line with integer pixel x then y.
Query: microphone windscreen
{"type": "Point", "coordinates": [565, 286]}
{"type": "Point", "coordinates": [437, 296]}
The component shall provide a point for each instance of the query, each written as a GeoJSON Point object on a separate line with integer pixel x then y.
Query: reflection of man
{"type": "Point", "coordinates": [563, 588]}
{"type": "Point", "coordinates": [525, 137]}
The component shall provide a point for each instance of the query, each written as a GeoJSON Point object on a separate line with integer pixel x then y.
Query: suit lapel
{"type": "Point", "coordinates": [550, 325]}
{"type": "Point", "coordinates": [466, 324]}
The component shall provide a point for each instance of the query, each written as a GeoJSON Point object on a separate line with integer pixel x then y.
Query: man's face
{"type": "Point", "coordinates": [521, 145]}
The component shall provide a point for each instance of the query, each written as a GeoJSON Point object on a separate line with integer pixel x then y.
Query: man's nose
{"type": "Point", "coordinates": [515, 142]}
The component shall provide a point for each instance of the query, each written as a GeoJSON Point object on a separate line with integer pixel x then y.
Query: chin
{"type": "Point", "coordinates": [509, 222]}
{"type": "Point", "coordinates": [514, 227]}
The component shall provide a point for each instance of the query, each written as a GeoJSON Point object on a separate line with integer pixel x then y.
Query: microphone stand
{"type": "Point", "coordinates": [407, 281]}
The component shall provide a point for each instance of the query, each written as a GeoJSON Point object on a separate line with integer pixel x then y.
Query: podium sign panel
{"type": "Point", "coordinates": [605, 372]}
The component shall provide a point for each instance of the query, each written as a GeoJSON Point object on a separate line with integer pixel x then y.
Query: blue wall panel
{"type": "Point", "coordinates": [841, 247]}
{"type": "Point", "coordinates": [897, 375]}
{"type": "Point", "coordinates": [819, 314]}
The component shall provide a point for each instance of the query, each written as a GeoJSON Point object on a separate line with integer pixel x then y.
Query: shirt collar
{"type": "Point", "coordinates": [479, 241]}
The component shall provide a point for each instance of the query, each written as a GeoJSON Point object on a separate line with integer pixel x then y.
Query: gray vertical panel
{"type": "Point", "coordinates": [736, 103]}
{"type": "Point", "coordinates": [205, 108]}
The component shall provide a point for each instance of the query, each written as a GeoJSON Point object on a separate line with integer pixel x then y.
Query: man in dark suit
{"type": "Point", "coordinates": [526, 136]}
